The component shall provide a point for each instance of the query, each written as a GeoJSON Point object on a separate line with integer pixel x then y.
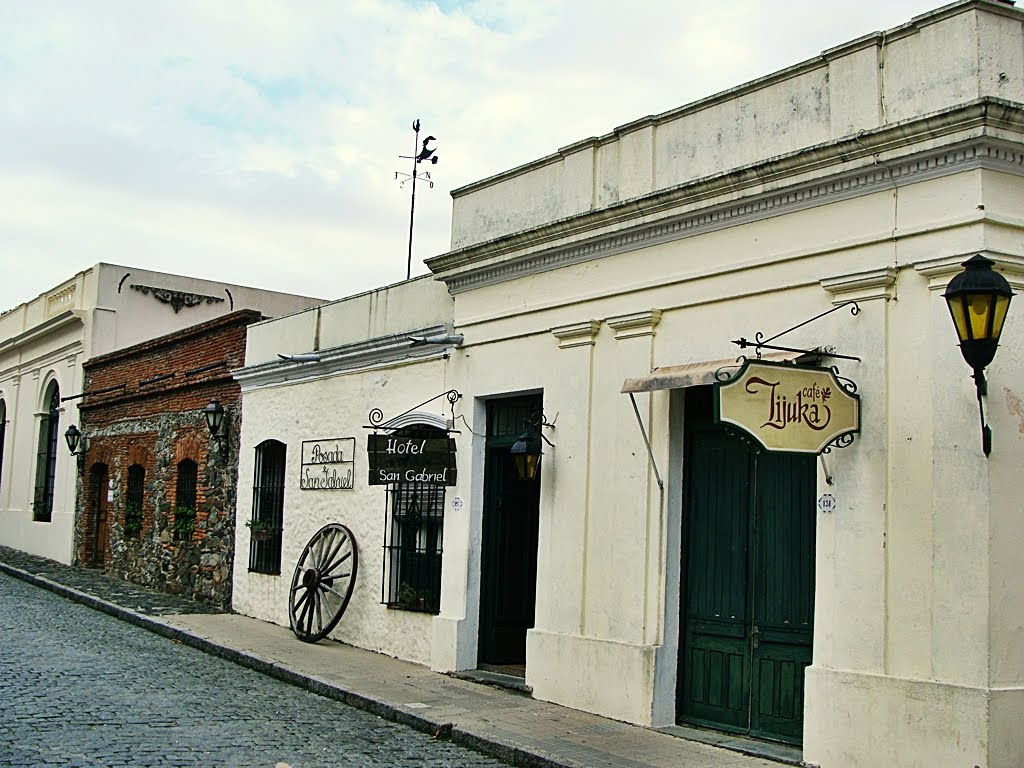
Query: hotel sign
{"type": "Point", "coordinates": [787, 407]}
{"type": "Point", "coordinates": [397, 459]}
{"type": "Point", "coordinates": [328, 464]}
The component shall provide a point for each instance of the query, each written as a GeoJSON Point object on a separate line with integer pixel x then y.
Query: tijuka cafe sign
{"type": "Point", "coordinates": [398, 459]}
{"type": "Point", "coordinates": [787, 407]}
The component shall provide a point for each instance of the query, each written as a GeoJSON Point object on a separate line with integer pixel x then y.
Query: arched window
{"type": "Point", "coordinates": [267, 519]}
{"type": "Point", "coordinates": [3, 434]}
{"type": "Point", "coordinates": [46, 457]}
{"type": "Point", "coordinates": [133, 501]}
{"type": "Point", "coordinates": [184, 522]}
{"type": "Point", "coordinates": [413, 536]}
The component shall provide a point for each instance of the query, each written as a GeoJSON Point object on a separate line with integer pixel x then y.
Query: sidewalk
{"type": "Point", "coordinates": [509, 726]}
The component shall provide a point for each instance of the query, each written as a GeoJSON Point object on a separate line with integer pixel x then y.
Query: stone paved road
{"type": "Point", "coordinates": [79, 688]}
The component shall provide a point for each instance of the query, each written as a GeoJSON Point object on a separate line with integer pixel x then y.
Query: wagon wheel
{"type": "Point", "coordinates": [323, 582]}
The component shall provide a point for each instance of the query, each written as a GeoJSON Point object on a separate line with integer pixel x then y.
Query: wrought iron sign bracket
{"type": "Point", "coordinates": [759, 343]}
{"type": "Point", "coordinates": [377, 420]}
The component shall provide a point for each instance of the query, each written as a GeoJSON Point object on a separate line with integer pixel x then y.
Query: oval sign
{"type": "Point", "coordinates": [788, 408]}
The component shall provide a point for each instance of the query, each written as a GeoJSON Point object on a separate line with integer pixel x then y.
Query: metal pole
{"type": "Point", "coordinates": [412, 206]}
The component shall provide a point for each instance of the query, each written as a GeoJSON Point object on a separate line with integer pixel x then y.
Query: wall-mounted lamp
{"type": "Point", "coordinates": [74, 437]}
{"type": "Point", "coordinates": [978, 300]}
{"type": "Point", "coordinates": [527, 450]}
{"type": "Point", "coordinates": [214, 413]}
{"type": "Point", "coordinates": [78, 444]}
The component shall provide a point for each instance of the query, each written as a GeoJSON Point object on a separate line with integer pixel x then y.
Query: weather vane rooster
{"type": "Point", "coordinates": [421, 154]}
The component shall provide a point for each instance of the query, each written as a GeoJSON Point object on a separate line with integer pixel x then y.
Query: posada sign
{"type": "Point", "coordinates": [398, 459]}
{"type": "Point", "coordinates": [788, 408]}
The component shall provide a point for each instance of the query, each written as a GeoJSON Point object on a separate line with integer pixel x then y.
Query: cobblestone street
{"type": "Point", "coordinates": [80, 688]}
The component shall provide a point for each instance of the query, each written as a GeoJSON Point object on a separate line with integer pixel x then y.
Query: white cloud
{"type": "Point", "coordinates": [258, 143]}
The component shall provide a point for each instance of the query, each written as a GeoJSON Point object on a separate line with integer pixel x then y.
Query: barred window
{"type": "Point", "coordinates": [133, 504]}
{"type": "Point", "coordinates": [267, 521]}
{"type": "Point", "coordinates": [46, 458]}
{"type": "Point", "coordinates": [184, 522]}
{"type": "Point", "coordinates": [413, 535]}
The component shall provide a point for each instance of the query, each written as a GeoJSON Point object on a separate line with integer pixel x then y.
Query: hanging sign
{"type": "Point", "coordinates": [398, 459]}
{"type": "Point", "coordinates": [788, 408]}
{"type": "Point", "coordinates": [328, 464]}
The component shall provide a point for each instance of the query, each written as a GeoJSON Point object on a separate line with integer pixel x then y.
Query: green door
{"type": "Point", "coordinates": [748, 591]}
{"type": "Point", "coordinates": [508, 558]}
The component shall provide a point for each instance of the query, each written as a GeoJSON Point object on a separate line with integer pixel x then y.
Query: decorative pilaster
{"type": "Point", "coordinates": [576, 334]}
{"type": "Point", "coordinates": [634, 324]}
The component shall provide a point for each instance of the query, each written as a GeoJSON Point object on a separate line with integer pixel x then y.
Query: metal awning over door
{"type": "Point", "coordinates": [687, 375]}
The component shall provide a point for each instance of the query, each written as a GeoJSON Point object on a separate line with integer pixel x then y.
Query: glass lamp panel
{"type": "Point", "coordinates": [1002, 305]}
{"type": "Point", "coordinates": [532, 461]}
{"type": "Point", "coordinates": [980, 313]}
{"type": "Point", "coordinates": [956, 309]}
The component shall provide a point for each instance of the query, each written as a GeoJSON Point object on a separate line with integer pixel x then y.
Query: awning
{"type": "Point", "coordinates": [695, 374]}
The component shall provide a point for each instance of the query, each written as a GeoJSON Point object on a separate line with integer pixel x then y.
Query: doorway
{"type": "Point", "coordinates": [99, 482]}
{"type": "Point", "coordinates": [747, 600]}
{"type": "Point", "coordinates": [508, 558]}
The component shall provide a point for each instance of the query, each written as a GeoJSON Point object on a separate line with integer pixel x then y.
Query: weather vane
{"type": "Point", "coordinates": [421, 154]}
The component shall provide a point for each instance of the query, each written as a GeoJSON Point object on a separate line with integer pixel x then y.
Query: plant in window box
{"type": "Point", "coordinates": [260, 530]}
{"type": "Point", "coordinates": [184, 523]}
{"type": "Point", "coordinates": [408, 597]}
{"type": "Point", "coordinates": [132, 521]}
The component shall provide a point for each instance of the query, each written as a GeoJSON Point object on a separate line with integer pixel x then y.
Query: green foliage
{"type": "Point", "coordinates": [184, 523]}
{"type": "Point", "coordinates": [132, 521]}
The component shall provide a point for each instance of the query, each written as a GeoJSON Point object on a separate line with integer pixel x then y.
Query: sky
{"type": "Point", "coordinates": [256, 142]}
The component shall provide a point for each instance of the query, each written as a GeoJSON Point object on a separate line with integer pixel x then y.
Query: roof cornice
{"type": "Point", "coordinates": [880, 158]}
{"type": "Point", "coordinates": [381, 351]}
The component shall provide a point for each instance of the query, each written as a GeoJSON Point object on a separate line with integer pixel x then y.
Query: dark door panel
{"type": "Point", "coordinates": [748, 594]}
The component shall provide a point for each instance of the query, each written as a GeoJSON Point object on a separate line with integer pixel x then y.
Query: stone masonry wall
{"type": "Point", "coordinates": [143, 406]}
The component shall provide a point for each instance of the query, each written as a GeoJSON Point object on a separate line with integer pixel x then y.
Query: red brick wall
{"type": "Point", "coordinates": [156, 424]}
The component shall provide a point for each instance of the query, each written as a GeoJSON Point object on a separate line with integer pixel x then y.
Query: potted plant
{"type": "Point", "coordinates": [260, 530]}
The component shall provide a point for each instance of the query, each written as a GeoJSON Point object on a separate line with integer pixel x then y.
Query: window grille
{"type": "Point", "coordinates": [133, 504]}
{"type": "Point", "coordinates": [413, 535]}
{"type": "Point", "coordinates": [3, 435]}
{"type": "Point", "coordinates": [185, 500]}
{"type": "Point", "coordinates": [46, 459]}
{"type": "Point", "coordinates": [267, 521]}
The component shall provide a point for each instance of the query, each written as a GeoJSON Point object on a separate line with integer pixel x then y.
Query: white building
{"type": "Point", "coordinates": [43, 344]}
{"type": "Point", "coordinates": [868, 605]}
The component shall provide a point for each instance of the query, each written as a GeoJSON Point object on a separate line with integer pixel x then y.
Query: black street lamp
{"type": "Point", "coordinates": [214, 413]}
{"type": "Point", "coordinates": [73, 436]}
{"type": "Point", "coordinates": [978, 300]}
{"type": "Point", "coordinates": [527, 450]}
{"type": "Point", "coordinates": [526, 453]}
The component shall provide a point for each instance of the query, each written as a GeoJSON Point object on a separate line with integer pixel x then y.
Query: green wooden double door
{"type": "Point", "coordinates": [748, 590]}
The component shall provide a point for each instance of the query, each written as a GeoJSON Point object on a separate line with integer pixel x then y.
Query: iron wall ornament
{"type": "Point", "coordinates": [322, 584]}
{"type": "Point", "coordinates": [760, 342]}
{"type": "Point", "coordinates": [790, 408]}
{"type": "Point", "coordinates": [377, 420]}
{"type": "Point", "coordinates": [177, 299]}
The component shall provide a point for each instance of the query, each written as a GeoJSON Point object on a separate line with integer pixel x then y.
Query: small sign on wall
{"type": "Point", "coordinates": [328, 464]}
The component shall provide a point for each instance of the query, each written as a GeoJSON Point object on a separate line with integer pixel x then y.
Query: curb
{"type": "Point", "coordinates": [487, 745]}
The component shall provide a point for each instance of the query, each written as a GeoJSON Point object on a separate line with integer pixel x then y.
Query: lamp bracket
{"type": "Point", "coordinates": [377, 420]}
{"type": "Point", "coordinates": [760, 342]}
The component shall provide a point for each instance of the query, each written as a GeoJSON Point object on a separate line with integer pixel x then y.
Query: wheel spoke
{"type": "Point", "coordinates": [332, 590]}
{"type": "Point", "coordinates": [334, 551]}
{"type": "Point", "coordinates": [305, 611]}
{"type": "Point", "coordinates": [336, 563]}
{"type": "Point", "coordinates": [319, 614]}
